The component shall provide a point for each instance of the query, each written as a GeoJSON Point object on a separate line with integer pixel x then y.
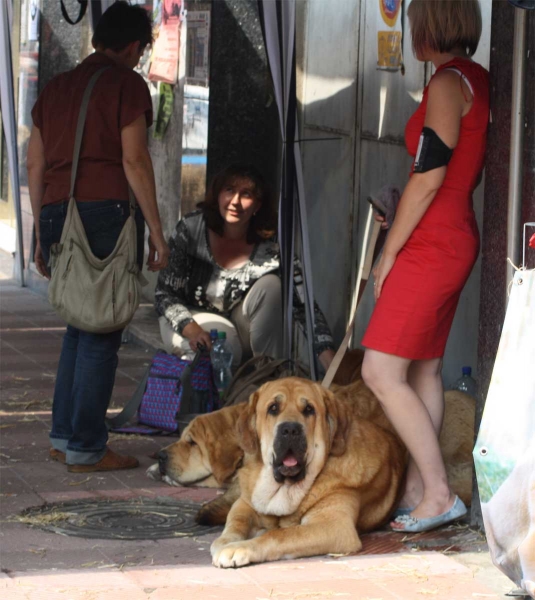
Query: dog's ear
{"type": "Point", "coordinates": [225, 461]}
{"type": "Point", "coordinates": [222, 448]}
{"type": "Point", "coordinates": [246, 426]}
{"type": "Point", "coordinates": [339, 422]}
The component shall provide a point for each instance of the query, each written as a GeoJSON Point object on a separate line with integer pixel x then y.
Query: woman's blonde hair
{"type": "Point", "coordinates": [442, 25]}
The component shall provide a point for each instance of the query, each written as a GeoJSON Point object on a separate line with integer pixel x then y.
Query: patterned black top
{"type": "Point", "coordinates": [193, 279]}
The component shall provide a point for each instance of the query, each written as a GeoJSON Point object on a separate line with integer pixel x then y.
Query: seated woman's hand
{"type": "Point", "coordinates": [197, 335]}
{"type": "Point", "coordinates": [326, 358]}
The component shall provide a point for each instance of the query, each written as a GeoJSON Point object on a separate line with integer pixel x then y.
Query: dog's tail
{"type": "Point", "coordinates": [215, 512]}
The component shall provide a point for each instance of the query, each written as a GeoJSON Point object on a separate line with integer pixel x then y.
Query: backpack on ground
{"type": "Point", "coordinates": [173, 391]}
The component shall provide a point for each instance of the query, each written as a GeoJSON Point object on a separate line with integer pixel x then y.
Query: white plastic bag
{"type": "Point", "coordinates": [504, 454]}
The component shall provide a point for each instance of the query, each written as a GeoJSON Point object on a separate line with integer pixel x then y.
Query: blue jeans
{"type": "Point", "coordinates": [88, 361]}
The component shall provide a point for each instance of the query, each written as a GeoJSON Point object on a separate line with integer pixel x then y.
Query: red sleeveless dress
{"type": "Point", "coordinates": [414, 313]}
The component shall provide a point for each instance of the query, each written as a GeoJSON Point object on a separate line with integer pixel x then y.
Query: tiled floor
{"type": "Point", "coordinates": [36, 565]}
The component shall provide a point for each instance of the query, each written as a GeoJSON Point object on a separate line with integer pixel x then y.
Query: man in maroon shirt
{"type": "Point", "coordinates": [113, 156]}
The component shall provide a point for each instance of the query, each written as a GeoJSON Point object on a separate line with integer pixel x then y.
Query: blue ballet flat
{"type": "Point", "coordinates": [401, 512]}
{"type": "Point", "coordinates": [414, 525]}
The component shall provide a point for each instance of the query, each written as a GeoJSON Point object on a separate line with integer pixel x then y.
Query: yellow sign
{"type": "Point", "coordinates": [389, 49]}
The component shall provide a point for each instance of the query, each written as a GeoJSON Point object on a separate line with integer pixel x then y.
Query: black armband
{"type": "Point", "coordinates": [432, 152]}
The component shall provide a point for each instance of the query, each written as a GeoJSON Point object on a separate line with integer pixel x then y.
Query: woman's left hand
{"type": "Point", "coordinates": [380, 273]}
{"type": "Point", "coordinates": [40, 261]}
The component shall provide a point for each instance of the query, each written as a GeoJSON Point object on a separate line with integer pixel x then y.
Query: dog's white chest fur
{"type": "Point", "coordinates": [279, 500]}
{"type": "Point", "coordinates": [272, 498]}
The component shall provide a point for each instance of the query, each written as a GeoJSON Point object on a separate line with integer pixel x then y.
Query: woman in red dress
{"type": "Point", "coordinates": [429, 253]}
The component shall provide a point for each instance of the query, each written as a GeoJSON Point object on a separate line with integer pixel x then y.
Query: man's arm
{"type": "Point", "coordinates": [36, 166]}
{"type": "Point", "coordinates": [140, 175]}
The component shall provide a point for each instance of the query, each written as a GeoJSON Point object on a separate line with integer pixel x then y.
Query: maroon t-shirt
{"type": "Point", "coordinates": [119, 97]}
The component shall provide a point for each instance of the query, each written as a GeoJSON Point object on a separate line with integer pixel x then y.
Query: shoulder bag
{"type": "Point", "coordinates": [94, 295]}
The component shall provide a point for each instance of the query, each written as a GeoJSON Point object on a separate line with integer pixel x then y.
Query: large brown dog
{"type": "Point", "coordinates": [312, 477]}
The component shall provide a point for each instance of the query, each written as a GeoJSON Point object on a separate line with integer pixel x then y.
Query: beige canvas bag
{"type": "Point", "coordinates": [97, 296]}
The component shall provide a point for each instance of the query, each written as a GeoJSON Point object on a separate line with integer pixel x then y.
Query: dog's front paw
{"type": "Point", "coordinates": [218, 545]}
{"type": "Point", "coordinates": [236, 554]}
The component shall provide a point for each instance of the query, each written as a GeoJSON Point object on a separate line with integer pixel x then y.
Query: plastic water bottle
{"type": "Point", "coordinates": [213, 336]}
{"type": "Point", "coordinates": [221, 356]}
{"type": "Point", "coordinates": [466, 383]}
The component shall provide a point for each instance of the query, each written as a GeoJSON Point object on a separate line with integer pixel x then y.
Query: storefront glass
{"type": "Point", "coordinates": [196, 104]}
{"type": "Point", "coordinates": [28, 90]}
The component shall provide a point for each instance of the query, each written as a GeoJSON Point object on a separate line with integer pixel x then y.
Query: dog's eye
{"type": "Point", "coordinates": [192, 442]}
{"type": "Point", "coordinates": [309, 410]}
{"type": "Point", "coordinates": [273, 409]}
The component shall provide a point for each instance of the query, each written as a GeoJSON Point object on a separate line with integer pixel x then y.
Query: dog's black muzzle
{"type": "Point", "coordinates": [289, 447]}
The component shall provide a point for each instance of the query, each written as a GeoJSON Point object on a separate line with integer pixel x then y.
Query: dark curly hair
{"type": "Point", "coordinates": [263, 225]}
{"type": "Point", "coordinates": [121, 25]}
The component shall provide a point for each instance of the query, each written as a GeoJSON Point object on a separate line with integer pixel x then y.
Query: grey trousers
{"type": "Point", "coordinates": [254, 327]}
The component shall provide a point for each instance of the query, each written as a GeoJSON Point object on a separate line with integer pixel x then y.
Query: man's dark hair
{"type": "Point", "coordinates": [121, 25]}
{"type": "Point", "coordinates": [262, 225]}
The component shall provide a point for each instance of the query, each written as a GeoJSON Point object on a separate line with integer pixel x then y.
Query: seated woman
{"type": "Point", "coordinates": [223, 273]}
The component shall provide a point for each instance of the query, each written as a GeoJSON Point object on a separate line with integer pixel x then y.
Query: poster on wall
{"type": "Point", "coordinates": [34, 14]}
{"type": "Point", "coordinates": [390, 11]}
{"type": "Point", "coordinates": [165, 110]}
{"type": "Point", "coordinates": [390, 42]}
{"type": "Point", "coordinates": [198, 47]}
{"type": "Point", "coordinates": [389, 50]}
{"type": "Point", "coordinates": [164, 65]}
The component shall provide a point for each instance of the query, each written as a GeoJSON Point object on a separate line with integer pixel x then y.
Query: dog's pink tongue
{"type": "Point", "coordinates": [289, 461]}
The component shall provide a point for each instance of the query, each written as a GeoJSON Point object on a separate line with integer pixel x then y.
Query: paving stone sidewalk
{"type": "Point", "coordinates": [451, 564]}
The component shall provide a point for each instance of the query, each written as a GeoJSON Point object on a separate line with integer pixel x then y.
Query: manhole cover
{"type": "Point", "coordinates": [139, 519]}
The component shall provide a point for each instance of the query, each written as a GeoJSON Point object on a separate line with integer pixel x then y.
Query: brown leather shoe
{"type": "Point", "coordinates": [109, 462]}
{"type": "Point", "coordinates": [57, 455]}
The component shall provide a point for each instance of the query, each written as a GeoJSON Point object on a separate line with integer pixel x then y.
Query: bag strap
{"type": "Point", "coordinates": [80, 134]}
{"type": "Point", "coordinates": [80, 127]}
{"type": "Point", "coordinates": [83, 9]}
{"type": "Point", "coordinates": [185, 381]}
{"type": "Point", "coordinates": [132, 405]}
